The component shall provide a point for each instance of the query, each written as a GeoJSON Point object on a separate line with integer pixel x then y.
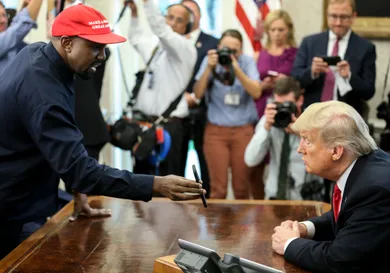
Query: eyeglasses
{"type": "Point", "coordinates": [342, 18]}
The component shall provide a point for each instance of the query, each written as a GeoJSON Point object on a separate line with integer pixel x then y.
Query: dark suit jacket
{"type": "Point", "coordinates": [359, 241]}
{"type": "Point", "coordinates": [88, 115]}
{"type": "Point", "coordinates": [204, 43]}
{"type": "Point", "coordinates": [360, 54]}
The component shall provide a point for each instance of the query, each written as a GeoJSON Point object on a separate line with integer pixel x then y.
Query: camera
{"type": "Point", "coordinates": [284, 112]}
{"type": "Point", "coordinates": [383, 112]}
{"type": "Point", "coordinates": [224, 56]}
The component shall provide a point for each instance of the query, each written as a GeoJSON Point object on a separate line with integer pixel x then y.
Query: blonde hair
{"type": "Point", "coordinates": [338, 124]}
{"type": "Point", "coordinates": [276, 15]}
{"type": "Point", "coordinates": [351, 2]}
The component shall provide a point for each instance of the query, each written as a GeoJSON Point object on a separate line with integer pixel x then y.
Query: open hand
{"type": "Point", "coordinates": [81, 207]}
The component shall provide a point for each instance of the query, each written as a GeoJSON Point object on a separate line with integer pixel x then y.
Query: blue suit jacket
{"type": "Point", "coordinates": [360, 54]}
{"type": "Point", "coordinates": [359, 241]}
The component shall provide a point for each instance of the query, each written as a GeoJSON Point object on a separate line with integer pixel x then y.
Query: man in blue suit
{"type": "Point", "coordinates": [353, 78]}
{"type": "Point", "coordinates": [194, 125]}
{"type": "Point", "coordinates": [354, 235]}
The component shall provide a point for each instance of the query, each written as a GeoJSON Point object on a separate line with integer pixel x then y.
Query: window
{"type": "Point", "coordinates": [11, 4]}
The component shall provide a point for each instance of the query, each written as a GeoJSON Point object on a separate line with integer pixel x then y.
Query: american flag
{"type": "Point", "coordinates": [248, 13]}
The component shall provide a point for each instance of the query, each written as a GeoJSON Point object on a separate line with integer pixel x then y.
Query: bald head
{"type": "Point", "coordinates": [178, 16]}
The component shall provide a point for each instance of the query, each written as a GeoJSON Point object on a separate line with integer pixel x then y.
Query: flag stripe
{"type": "Point", "coordinates": [241, 15]}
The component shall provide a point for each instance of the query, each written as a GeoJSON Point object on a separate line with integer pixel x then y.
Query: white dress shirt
{"type": "Point", "coordinates": [272, 140]}
{"type": "Point", "coordinates": [194, 35]}
{"type": "Point", "coordinates": [342, 84]}
{"type": "Point", "coordinates": [309, 225]}
{"type": "Point", "coordinates": [171, 68]}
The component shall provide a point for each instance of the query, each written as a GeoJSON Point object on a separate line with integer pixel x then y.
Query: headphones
{"type": "Point", "coordinates": [192, 17]}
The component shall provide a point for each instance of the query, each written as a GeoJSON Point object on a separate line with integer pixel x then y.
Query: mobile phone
{"type": "Point", "coordinates": [198, 180]}
{"type": "Point", "coordinates": [331, 60]}
{"type": "Point", "coordinates": [272, 73]}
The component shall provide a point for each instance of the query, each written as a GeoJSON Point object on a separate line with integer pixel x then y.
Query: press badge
{"type": "Point", "coordinates": [232, 98]}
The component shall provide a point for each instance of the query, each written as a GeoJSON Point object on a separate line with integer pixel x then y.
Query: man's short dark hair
{"type": "Point", "coordinates": [196, 4]}
{"type": "Point", "coordinates": [286, 85]}
{"type": "Point", "coordinates": [2, 4]}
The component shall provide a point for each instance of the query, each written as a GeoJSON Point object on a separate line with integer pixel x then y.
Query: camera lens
{"type": "Point", "coordinates": [224, 56]}
{"type": "Point", "coordinates": [282, 119]}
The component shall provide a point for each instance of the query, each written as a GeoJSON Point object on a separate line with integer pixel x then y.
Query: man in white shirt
{"type": "Point", "coordinates": [354, 235]}
{"type": "Point", "coordinates": [168, 74]}
{"type": "Point", "coordinates": [268, 137]}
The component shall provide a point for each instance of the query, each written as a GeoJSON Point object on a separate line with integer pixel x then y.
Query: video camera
{"type": "Point", "coordinates": [284, 112]}
{"type": "Point", "coordinates": [224, 56]}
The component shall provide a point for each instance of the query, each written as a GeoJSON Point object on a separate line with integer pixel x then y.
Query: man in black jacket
{"type": "Point", "coordinates": [39, 141]}
{"type": "Point", "coordinates": [354, 235]}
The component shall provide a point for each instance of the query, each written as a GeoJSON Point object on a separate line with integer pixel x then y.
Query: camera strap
{"type": "Point", "coordinates": [227, 78]}
{"type": "Point", "coordinates": [140, 77]}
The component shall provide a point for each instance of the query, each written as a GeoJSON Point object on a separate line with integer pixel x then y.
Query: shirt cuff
{"type": "Point", "coordinates": [314, 77]}
{"type": "Point", "coordinates": [311, 229]}
{"type": "Point", "coordinates": [288, 242]}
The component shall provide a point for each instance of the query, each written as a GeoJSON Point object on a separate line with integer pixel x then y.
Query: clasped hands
{"type": "Point", "coordinates": [287, 230]}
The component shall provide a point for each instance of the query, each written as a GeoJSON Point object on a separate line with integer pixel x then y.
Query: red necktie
{"type": "Point", "coordinates": [336, 200]}
{"type": "Point", "coordinates": [327, 91]}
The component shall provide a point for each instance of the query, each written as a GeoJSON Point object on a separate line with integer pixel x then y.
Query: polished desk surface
{"type": "Point", "coordinates": [138, 233]}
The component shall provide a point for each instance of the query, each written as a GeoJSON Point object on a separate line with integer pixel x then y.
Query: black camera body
{"type": "Point", "coordinates": [383, 112]}
{"type": "Point", "coordinates": [224, 56]}
{"type": "Point", "coordinates": [284, 112]}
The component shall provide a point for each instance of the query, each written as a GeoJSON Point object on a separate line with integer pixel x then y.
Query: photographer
{"type": "Point", "coordinates": [11, 38]}
{"type": "Point", "coordinates": [273, 133]}
{"type": "Point", "coordinates": [172, 60]}
{"type": "Point", "coordinates": [230, 81]}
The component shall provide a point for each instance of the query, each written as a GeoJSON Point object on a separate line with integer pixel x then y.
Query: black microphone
{"type": "Point", "coordinates": [123, 11]}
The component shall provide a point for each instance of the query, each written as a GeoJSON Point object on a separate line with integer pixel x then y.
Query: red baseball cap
{"type": "Point", "coordinates": [85, 22]}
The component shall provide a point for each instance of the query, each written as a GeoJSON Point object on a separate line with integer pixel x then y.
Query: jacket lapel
{"type": "Point", "coordinates": [351, 181]}
{"type": "Point", "coordinates": [349, 52]}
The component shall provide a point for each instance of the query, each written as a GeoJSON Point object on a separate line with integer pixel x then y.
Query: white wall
{"type": "Point", "coordinates": [307, 16]}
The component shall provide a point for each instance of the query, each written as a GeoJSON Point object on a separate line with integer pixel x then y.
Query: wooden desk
{"type": "Point", "coordinates": [138, 233]}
